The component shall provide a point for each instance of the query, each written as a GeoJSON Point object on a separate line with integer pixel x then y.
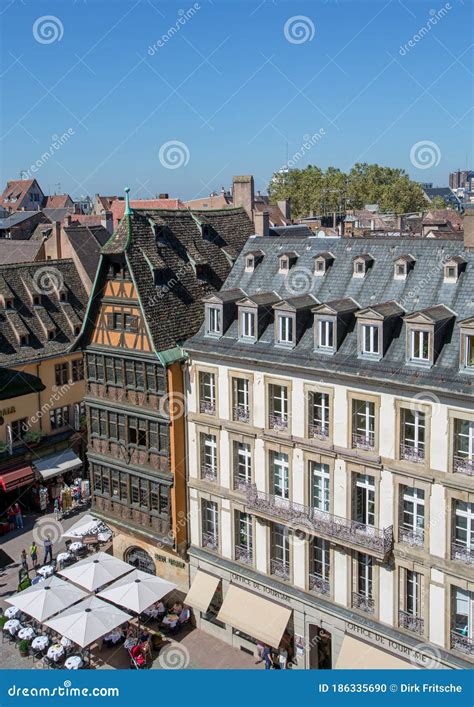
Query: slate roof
{"type": "Point", "coordinates": [424, 288]}
{"type": "Point", "coordinates": [16, 218]}
{"type": "Point", "coordinates": [17, 251]}
{"type": "Point", "coordinates": [57, 214]}
{"type": "Point", "coordinates": [22, 281]}
{"type": "Point", "coordinates": [87, 242]}
{"type": "Point", "coordinates": [190, 251]}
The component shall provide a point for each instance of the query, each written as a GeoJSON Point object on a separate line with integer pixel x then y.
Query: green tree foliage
{"type": "Point", "coordinates": [313, 190]}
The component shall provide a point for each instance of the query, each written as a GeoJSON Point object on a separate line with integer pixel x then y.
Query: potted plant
{"type": "Point", "coordinates": [24, 648]}
{"type": "Point", "coordinates": [33, 437]}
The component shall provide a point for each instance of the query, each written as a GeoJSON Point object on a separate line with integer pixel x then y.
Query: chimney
{"type": "Point", "coordinates": [106, 220]}
{"type": "Point", "coordinates": [261, 222]}
{"type": "Point", "coordinates": [57, 236]}
{"type": "Point", "coordinates": [67, 220]}
{"type": "Point", "coordinates": [285, 208]}
{"type": "Point", "coordinates": [468, 223]}
{"type": "Point", "coordinates": [243, 193]}
{"type": "Point", "coordinates": [163, 196]}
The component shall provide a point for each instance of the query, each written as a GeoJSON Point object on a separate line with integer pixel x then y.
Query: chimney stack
{"type": "Point", "coordinates": [285, 208]}
{"type": "Point", "coordinates": [262, 223]}
{"type": "Point", "coordinates": [468, 223]}
{"type": "Point", "coordinates": [106, 220]}
{"type": "Point", "coordinates": [243, 193]}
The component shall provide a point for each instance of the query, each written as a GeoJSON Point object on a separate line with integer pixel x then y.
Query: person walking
{"type": "Point", "coordinates": [24, 560]}
{"type": "Point", "coordinates": [48, 550]}
{"type": "Point", "coordinates": [18, 515]}
{"type": "Point", "coordinates": [267, 656]}
{"type": "Point", "coordinates": [34, 554]}
{"type": "Point", "coordinates": [11, 518]}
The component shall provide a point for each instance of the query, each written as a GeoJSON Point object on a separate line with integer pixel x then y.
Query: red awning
{"type": "Point", "coordinates": [14, 478]}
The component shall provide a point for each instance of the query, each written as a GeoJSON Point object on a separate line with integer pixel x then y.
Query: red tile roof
{"type": "Point", "coordinates": [118, 206]}
{"type": "Point", "coordinates": [57, 201]}
{"type": "Point", "coordinates": [16, 189]}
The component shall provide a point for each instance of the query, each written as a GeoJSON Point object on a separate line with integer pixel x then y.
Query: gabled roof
{"type": "Point", "coordinates": [225, 296]}
{"type": "Point", "coordinates": [57, 201]}
{"type": "Point", "coordinates": [382, 311]}
{"type": "Point", "coordinates": [336, 306]}
{"type": "Point", "coordinates": [296, 304]}
{"type": "Point", "coordinates": [406, 257]}
{"type": "Point", "coordinates": [261, 299]}
{"type": "Point", "coordinates": [18, 251]}
{"type": "Point", "coordinates": [16, 218]}
{"type": "Point", "coordinates": [15, 193]}
{"type": "Point", "coordinates": [432, 315]}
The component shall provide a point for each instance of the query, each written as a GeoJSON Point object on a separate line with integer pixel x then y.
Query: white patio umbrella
{"type": "Point", "coordinates": [47, 598]}
{"type": "Point", "coordinates": [87, 621]}
{"type": "Point", "coordinates": [96, 571]}
{"type": "Point", "coordinates": [137, 591]}
{"type": "Point", "coordinates": [87, 525]}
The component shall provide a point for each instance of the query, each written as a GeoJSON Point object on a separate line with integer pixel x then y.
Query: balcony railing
{"type": "Point", "coordinates": [462, 552]}
{"type": "Point", "coordinates": [244, 554]}
{"type": "Point", "coordinates": [278, 422]}
{"type": "Point", "coordinates": [207, 407]}
{"type": "Point", "coordinates": [280, 569]}
{"type": "Point", "coordinates": [319, 585]}
{"type": "Point", "coordinates": [364, 441]}
{"type": "Point", "coordinates": [241, 484]}
{"type": "Point", "coordinates": [241, 413]}
{"type": "Point", "coordinates": [411, 536]}
{"type": "Point", "coordinates": [208, 472]}
{"type": "Point", "coordinates": [318, 431]}
{"type": "Point", "coordinates": [463, 465]}
{"type": "Point", "coordinates": [411, 622]}
{"type": "Point", "coordinates": [321, 522]}
{"type": "Point", "coordinates": [363, 602]}
{"type": "Point", "coordinates": [412, 454]}
{"type": "Point", "coordinates": [210, 541]}
{"type": "Point", "coordinates": [462, 643]}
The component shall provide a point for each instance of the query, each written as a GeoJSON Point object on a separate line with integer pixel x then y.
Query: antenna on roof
{"type": "Point", "coordinates": [128, 210]}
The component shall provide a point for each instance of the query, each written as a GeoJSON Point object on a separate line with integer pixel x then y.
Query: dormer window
{"type": "Point", "coordinates": [402, 266]}
{"type": "Point", "coordinates": [453, 268]}
{"type": "Point", "coordinates": [370, 343]}
{"type": "Point", "coordinates": [23, 341]}
{"type": "Point", "coordinates": [51, 334]}
{"type": "Point", "coordinates": [361, 265]}
{"type": "Point", "coordinates": [420, 346]}
{"type": "Point", "coordinates": [319, 267]}
{"type": "Point", "coordinates": [466, 348]}
{"type": "Point", "coordinates": [214, 321]}
{"type": "Point", "coordinates": [36, 300]}
{"type": "Point", "coordinates": [427, 332]}
{"type": "Point", "coordinates": [9, 303]}
{"type": "Point", "coordinates": [326, 335]}
{"type": "Point", "coordinates": [285, 329]}
{"type": "Point", "coordinates": [247, 325]}
{"type": "Point", "coordinates": [284, 263]}
{"type": "Point", "coordinates": [322, 263]}
{"type": "Point", "coordinates": [63, 296]}
{"type": "Point", "coordinates": [249, 263]}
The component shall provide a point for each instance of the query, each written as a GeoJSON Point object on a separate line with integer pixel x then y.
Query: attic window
{"type": "Point", "coordinates": [249, 263]}
{"type": "Point", "coordinates": [51, 334]}
{"type": "Point", "coordinates": [284, 263]}
{"type": "Point", "coordinates": [359, 268]}
{"type": "Point", "coordinates": [36, 300]}
{"type": "Point", "coordinates": [213, 320]}
{"type": "Point", "coordinates": [9, 303]}
{"type": "Point", "coordinates": [63, 297]}
{"type": "Point", "coordinates": [23, 341]}
{"type": "Point", "coordinates": [77, 330]}
{"type": "Point", "coordinates": [286, 329]}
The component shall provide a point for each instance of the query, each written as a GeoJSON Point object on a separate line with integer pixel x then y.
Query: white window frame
{"type": "Point", "coordinates": [326, 334]}
{"type": "Point", "coordinates": [285, 329]}
{"type": "Point", "coordinates": [468, 516]}
{"type": "Point", "coordinates": [280, 474]}
{"type": "Point", "coordinates": [214, 320]}
{"type": "Point", "coordinates": [320, 485]}
{"type": "Point", "coordinates": [364, 490]}
{"type": "Point", "coordinates": [247, 325]}
{"type": "Point", "coordinates": [413, 504]}
{"type": "Point", "coordinates": [373, 339]}
{"type": "Point", "coordinates": [243, 461]}
{"type": "Point", "coordinates": [421, 334]}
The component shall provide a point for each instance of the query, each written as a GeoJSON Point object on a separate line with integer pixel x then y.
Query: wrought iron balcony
{"type": "Point", "coordinates": [411, 622]}
{"type": "Point", "coordinates": [463, 465]}
{"type": "Point", "coordinates": [462, 643]}
{"type": "Point", "coordinates": [460, 551]}
{"type": "Point", "coordinates": [241, 413]}
{"type": "Point", "coordinates": [208, 472]}
{"type": "Point", "coordinates": [241, 484]}
{"type": "Point", "coordinates": [319, 585]}
{"type": "Point", "coordinates": [411, 536]}
{"type": "Point", "coordinates": [318, 431]}
{"type": "Point", "coordinates": [210, 540]}
{"type": "Point", "coordinates": [244, 554]}
{"type": "Point", "coordinates": [280, 569]}
{"type": "Point", "coordinates": [321, 523]}
{"type": "Point", "coordinates": [364, 441]}
{"type": "Point", "coordinates": [412, 454]}
{"type": "Point", "coordinates": [208, 407]}
{"type": "Point", "coordinates": [363, 602]}
{"type": "Point", "coordinates": [278, 422]}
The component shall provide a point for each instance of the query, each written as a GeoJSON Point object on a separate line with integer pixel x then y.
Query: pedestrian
{"type": "Point", "coordinates": [24, 560]}
{"type": "Point", "coordinates": [34, 554]}
{"type": "Point", "coordinates": [267, 656]}
{"type": "Point", "coordinates": [11, 518]}
{"type": "Point", "coordinates": [283, 658]}
{"type": "Point", "coordinates": [260, 648]}
{"type": "Point", "coordinates": [18, 515]}
{"type": "Point", "coordinates": [48, 550]}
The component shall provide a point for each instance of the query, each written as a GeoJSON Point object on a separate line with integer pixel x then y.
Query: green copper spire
{"type": "Point", "coordinates": [128, 210]}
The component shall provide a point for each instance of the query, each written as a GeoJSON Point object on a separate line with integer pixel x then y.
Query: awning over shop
{"type": "Point", "coordinates": [14, 478]}
{"type": "Point", "coordinates": [254, 615]}
{"type": "Point", "coordinates": [58, 464]}
{"type": "Point", "coordinates": [202, 590]}
{"type": "Point", "coordinates": [357, 655]}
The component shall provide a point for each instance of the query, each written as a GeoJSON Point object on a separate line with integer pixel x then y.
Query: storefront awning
{"type": "Point", "coordinates": [357, 655]}
{"type": "Point", "coordinates": [58, 464]}
{"type": "Point", "coordinates": [14, 478]}
{"type": "Point", "coordinates": [202, 590]}
{"type": "Point", "coordinates": [254, 615]}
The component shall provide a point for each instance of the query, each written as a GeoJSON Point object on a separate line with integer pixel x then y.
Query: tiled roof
{"type": "Point", "coordinates": [87, 242]}
{"type": "Point", "coordinates": [16, 218]}
{"type": "Point", "coordinates": [16, 189]}
{"type": "Point", "coordinates": [21, 282]}
{"type": "Point", "coordinates": [117, 207]}
{"type": "Point", "coordinates": [57, 201]}
{"type": "Point", "coordinates": [423, 289]}
{"type": "Point", "coordinates": [18, 251]}
{"type": "Point", "coordinates": [57, 214]}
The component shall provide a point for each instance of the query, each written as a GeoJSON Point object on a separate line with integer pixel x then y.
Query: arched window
{"type": "Point", "coordinates": [140, 559]}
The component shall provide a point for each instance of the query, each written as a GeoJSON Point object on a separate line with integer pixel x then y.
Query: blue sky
{"type": "Point", "coordinates": [233, 88]}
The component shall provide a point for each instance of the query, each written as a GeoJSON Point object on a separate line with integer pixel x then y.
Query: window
{"type": "Point", "coordinates": [59, 417]}
{"type": "Point", "coordinates": [247, 325]}
{"type": "Point", "coordinates": [213, 320]}
{"type": "Point", "coordinates": [130, 322]}
{"type": "Point", "coordinates": [61, 373]}
{"type": "Point", "coordinates": [249, 262]}
{"type": "Point", "coordinates": [243, 537]}
{"type": "Point", "coordinates": [284, 264]}
{"type": "Point", "coordinates": [412, 435]}
{"type": "Point", "coordinates": [359, 268]}
{"type": "Point", "coordinates": [318, 415]}
{"type": "Point", "coordinates": [137, 432]}
{"type": "Point", "coordinates": [208, 456]}
{"type": "Point", "coordinates": [320, 566]}
{"type": "Point", "coordinates": [463, 536]}
{"type": "Point", "coordinates": [463, 461]}
{"type": "Point", "coordinates": [141, 560]}
{"type": "Point", "coordinates": [462, 627]}
{"type": "Point", "coordinates": [410, 615]}
{"type": "Point", "coordinates": [19, 429]}
{"type": "Point", "coordinates": [420, 345]}
{"type": "Point", "coordinates": [362, 597]}
{"type": "Point", "coordinates": [326, 334]}
{"type": "Point", "coordinates": [240, 399]}
{"type": "Point", "coordinates": [469, 350]}
{"type": "Point", "coordinates": [370, 343]}
{"type": "Point", "coordinates": [363, 424]}
{"type": "Point", "coordinates": [400, 270]}
{"type": "Point", "coordinates": [285, 329]}
{"type": "Point", "coordinates": [77, 367]}
{"type": "Point", "coordinates": [319, 266]}
{"type": "Point", "coordinates": [278, 407]}
{"type": "Point", "coordinates": [319, 485]}
{"type": "Point", "coordinates": [116, 321]}
{"type": "Point", "coordinates": [242, 465]}
{"type": "Point", "coordinates": [210, 525]}
{"type": "Point", "coordinates": [364, 499]}
{"type": "Point", "coordinates": [279, 475]}
{"type": "Point", "coordinates": [412, 516]}
{"type": "Point", "coordinates": [207, 393]}
{"type": "Point", "coordinates": [280, 551]}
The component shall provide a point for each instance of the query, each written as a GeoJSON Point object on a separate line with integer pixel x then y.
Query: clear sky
{"type": "Point", "coordinates": [240, 85]}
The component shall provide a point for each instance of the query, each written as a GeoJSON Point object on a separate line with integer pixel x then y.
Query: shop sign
{"type": "Point", "coordinates": [260, 587]}
{"type": "Point", "coordinates": [171, 561]}
{"type": "Point", "coordinates": [7, 411]}
{"type": "Point", "coordinates": [390, 644]}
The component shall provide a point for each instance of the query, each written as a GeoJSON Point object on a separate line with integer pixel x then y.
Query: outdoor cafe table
{"type": "Point", "coordinates": [55, 652]}
{"type": "Point", "coordinates": [40, 643]}
{"type": "Point", "coordinates": [66, 642]}
{"type": "Point", "coordinates": [26, 634]}
{"type": "Point", "coordinates": [46, 571]}
{"type": "Point", "coordinates": [76, 546]}
{"type": "Point", "coordinates": [64, 557]}
{"type": "Point", "coordinates": [114, 636]}
{"type": "Point", "coordinates": [74, 662]}
{"type": "Point", "coordinates": [12, 612]}
{"type": "Point", "coordinates": [12, 626]}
